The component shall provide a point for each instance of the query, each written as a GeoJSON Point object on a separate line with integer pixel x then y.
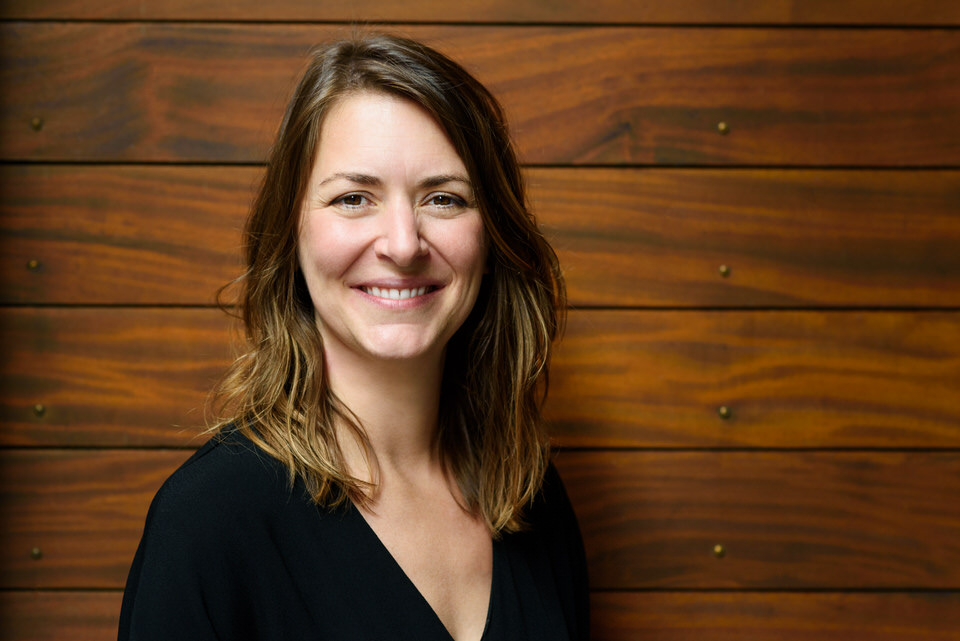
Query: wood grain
{"type": "Point", "coordinates": [84, 510]}
{"type": "Point", "coordinates": [616, 616]}
{"type": "Point", "coordinates": [811, 520]}
{"type": "Point", "coordinates": [788, 238]}
{"type": "Point", "coordinates": [797, 520]}
{"type": "Point", "coordinates": [856, 12]}
{"type": "Point", "coordinates": [784, 616]}
{"type": "Point", "coordinates": [114, 377]}
{"type": "Point", "coordinates": [54, 616]}
{"type": "Point", "coordinates": [788, 379]}
{"type": "Point", "coordinates": [109, 377]}
{"type": "Point", "coordinates": [582, 95]}
{"type": "Point", "coordinates": [627, 237]}
{"type": "Point", "coordinates": [121, 234]}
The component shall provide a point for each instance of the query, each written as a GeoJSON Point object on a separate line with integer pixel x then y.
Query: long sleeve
{"type": "Point", "coordinates": [209, 565]}
{"type": "Point", "coordinates": [164, 595]}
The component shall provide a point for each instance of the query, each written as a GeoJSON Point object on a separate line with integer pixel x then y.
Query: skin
{"type": "Point", "coordinates": [390, 207]}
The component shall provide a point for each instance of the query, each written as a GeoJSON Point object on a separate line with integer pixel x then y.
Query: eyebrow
{"type": "Point", "coordinates": [436, 181]}
{"type": "Point", "coordinates": [373, 181]}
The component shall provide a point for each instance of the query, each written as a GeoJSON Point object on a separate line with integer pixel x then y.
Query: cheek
{"type": "Point", "coordinates": [467, 248]}
{"type": "Point", "coordinates": [324, 249]}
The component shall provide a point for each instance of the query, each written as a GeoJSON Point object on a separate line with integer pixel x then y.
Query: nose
{"type": "Point", "coordinates": [400, 240]}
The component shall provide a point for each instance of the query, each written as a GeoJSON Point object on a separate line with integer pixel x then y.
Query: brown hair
{"type": "Point", "coordinates": [494, 380]}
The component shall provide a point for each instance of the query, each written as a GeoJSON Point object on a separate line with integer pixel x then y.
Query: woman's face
{"type": "Point", "coordinates": [391, 245]}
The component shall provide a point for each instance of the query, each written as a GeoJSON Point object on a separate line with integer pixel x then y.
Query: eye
{"type": "Point", "coordinates": [351, 201]}
{"type": "Point", "coordinates": [445, 201]}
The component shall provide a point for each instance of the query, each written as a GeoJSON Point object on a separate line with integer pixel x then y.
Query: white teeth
{"type": "Point", "coordinates": [395, 294]}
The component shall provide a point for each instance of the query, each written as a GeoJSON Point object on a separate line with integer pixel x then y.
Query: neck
{"type": "Point", "coordinates": [397, 403]}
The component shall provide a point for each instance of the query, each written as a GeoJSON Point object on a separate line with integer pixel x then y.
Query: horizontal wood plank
{"type": "Point", "coordinates": [121, 234]}
{"type": "Point", "coordinates": [712, 12]}
{"type": "Point", "coordinates": [650, 519]}
{"type": "Point", "coordinates": [785, 520]}
{"type": "Point", "coordinates": [585, 95]}
{"type": "Point", "coordinates": [626, 237]}
{"type": "Point", "coordinates": [804, 379]}
{"type": "Point", "coordinates": [787, 238]}
{"type": "Point", "coordinates": [108, 377]}
{"type": "Point", "coordinates": [83, 510]}
{"type": "Point", "coordinates": [750, 616]}
{"type": "Point", "coordinates": [54, 616]}
{"type": "Point", "coordinates": [616, 616]}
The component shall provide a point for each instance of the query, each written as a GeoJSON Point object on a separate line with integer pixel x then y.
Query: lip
{"type": "Point", "coordinates": [398, 293]}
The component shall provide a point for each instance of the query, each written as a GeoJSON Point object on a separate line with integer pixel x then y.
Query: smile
{"type": "Point", "coordinates": [397, 294]}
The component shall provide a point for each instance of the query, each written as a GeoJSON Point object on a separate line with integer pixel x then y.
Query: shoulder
{"type": "Point", "coordinates": [226, 474]}
{"type": "Point", "coordinates": [227, 465]}
{"type": "Point", "coordinates": [209, 524]}
{"type": "Point", "coordinates": [552, 506]}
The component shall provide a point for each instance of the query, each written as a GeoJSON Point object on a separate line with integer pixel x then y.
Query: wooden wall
{"type": "Point", "coordinates": [757, 204]}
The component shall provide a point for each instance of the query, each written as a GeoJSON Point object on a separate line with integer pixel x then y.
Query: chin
{"type": "Point", "coordinates": [402, 350]}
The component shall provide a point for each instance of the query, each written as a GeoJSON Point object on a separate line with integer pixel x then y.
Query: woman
{"type": "Point", "coordinates": [381, 471]}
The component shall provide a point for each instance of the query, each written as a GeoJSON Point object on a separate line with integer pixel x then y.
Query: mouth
{"type": "Point", "coordinates": [398, 294]}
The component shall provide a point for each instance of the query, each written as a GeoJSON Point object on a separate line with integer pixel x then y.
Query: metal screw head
{"type": "Point", "coordinates": [33, 264]}
{"type": "Point", "coordinates": [724, 270]}
{"type": "Point", "coordinates": [37, 123]}
{"type": "Point", "coordinates": [36, 554]}
{"type": "Point", "coordinates": [719, 551]}
{"type": "Point", "coordinates": [723, 128]}
{"type": "Point", "coordinates": [39, 409]}
{"type": "Point", "coordinates": [724, 412]}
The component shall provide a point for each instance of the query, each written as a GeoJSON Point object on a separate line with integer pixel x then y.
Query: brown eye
{"type": "Point", "coordinates": [445, 201]}
{"type": "Point", "coordinates": [352, 200]}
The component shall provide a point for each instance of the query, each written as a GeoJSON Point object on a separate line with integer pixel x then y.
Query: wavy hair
{"type": "Point", "coordinates": [491, 431]}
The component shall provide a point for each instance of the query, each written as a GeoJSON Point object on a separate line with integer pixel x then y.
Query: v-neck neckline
{"type": "Point", "coordinates": [392, 562]}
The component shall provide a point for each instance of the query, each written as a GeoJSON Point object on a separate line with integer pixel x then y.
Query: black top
{"type": "Point", "coordinates": [231, 551]}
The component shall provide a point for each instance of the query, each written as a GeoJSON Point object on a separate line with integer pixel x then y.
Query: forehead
{"type": "Point", "coordinates": [375, 127]}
